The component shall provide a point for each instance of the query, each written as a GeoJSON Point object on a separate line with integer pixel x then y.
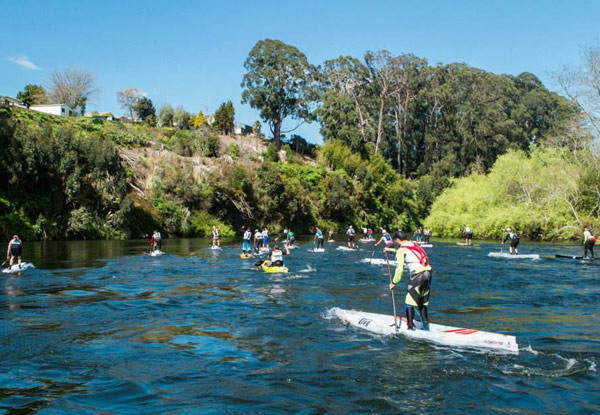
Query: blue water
{"type": "Point", "coordinates": [100, 327]}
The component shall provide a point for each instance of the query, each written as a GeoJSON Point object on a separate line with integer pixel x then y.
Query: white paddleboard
{"type": "Point", "coordinates": [378, 261]}
{"type": "Point", "coordinates": [437, 333]}
{"type": "Point", "coordinates": [157, 252]}
{"type": "Point", "coordinates": [345, 248]}
{"type": "Point", "coordinates": [316, 250]}
{"type": "Point", "coordinates": [516, 256]}
{"type": "Point", "coordinates": [426, 245]}
{"type": "Point", "coordinates": [16, 268]}
{"type": "Point", "coordinates": [366, 240]}
{"type": "Point", "coordinates": [331, 241]}
{"type": "Point", "coordinates": [215, 247]}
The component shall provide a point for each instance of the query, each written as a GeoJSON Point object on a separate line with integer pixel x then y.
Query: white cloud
{"type": "Point", "coordinates": [24, 62]}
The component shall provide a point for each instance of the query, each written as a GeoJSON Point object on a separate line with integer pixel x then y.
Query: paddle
{"type": "Point", "coordinates": [258, 263]}
{"type": "Point", "coordinates": [3, 264]}
{"type": "Point", "coordinates": [502, 246]}
{"type": "Point", "coordinates": [387, 259]}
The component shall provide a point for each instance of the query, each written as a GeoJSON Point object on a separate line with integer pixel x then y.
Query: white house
{"type": "Point", "coordinates": [55, 109]}
{"type": "Point", "coordinates": [241, 129]}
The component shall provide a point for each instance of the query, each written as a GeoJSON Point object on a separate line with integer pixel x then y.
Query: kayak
{"type": "Point", "coordinates": [273, 270]}
{"type": "Point", "coordinates": [245, 256]}
{"type": "Point", "coordinates": [437, 333]}
{"type": "Point", "coordinates": [515, 256]}
{"type": "Point", "coordinates": [16, 268]}
{"type": "Point", "coordinates": [378, 261]}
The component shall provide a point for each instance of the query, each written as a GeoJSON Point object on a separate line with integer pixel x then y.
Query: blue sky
{"type": "Point", "coordinates": [191, 53]}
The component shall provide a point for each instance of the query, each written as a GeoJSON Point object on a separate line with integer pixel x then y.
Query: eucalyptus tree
{"type": "Point", "coordinates": [280, 83]}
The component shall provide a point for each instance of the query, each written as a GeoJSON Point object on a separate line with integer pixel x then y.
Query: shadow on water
{"type": "Point", "coordinates": [100, 327]}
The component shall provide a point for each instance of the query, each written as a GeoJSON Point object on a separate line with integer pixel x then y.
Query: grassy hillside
{"type": "Point", "coordinates": [89, 178]}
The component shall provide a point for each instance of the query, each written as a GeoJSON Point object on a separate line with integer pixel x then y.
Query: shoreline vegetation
{"type": "Point", "coordinates": [405, 144]}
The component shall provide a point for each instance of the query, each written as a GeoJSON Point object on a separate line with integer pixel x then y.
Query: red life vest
{"type": "Point", "coordinates": [419, 253]}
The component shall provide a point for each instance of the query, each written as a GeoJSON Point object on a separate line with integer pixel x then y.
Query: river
{"type": "Point", "coordinates": [102, 327]}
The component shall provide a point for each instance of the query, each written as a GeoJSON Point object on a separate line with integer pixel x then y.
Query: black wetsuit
{"type": "Point", "coordinates": [514, 239]}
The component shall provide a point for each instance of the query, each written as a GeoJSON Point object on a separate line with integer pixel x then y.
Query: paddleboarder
{"type": "Point", "coordinates": [247, 243]}
{"type": "Point", "coordinates": [319, 238]}
{"type": "Point", "coordinates": [419, 283]}
{"type": "Point", "coordinates": [14, 251]}
{"type": "Point", "coordinates": [156, 241]}
{"type": "Point", "coordinates": [514, 241]}
{"type": "Point", "coordinates": [351, 236]}
{"type": "Point", "coordinates": [588, 242]}
{"type": "Point", "coordinates": [468, 234]}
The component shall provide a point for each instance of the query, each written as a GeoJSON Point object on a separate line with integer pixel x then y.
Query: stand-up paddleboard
{"type": "Point", "coordinates": [573, 257]}
{"type": "Point", "coordinates": [156, 252]}
{"type": "Point", "coordinates": [366, 240]}
{"type": "Point", "coordinates": [16, 268]}
{"type": "Point", "coordinates": [215, 247]}
{"type": "Point", "coordinates": [330, 241]}
{"type": "Point", "coordinates": [426, 245]}
{"type": "Point", "coordinates": [514, 256]}
{"type": "Point", "coordinates": [345, 248]}
{"type": "Point", "coordinates": [437, 333]}
{"type": "Point", "coordinates": [378, 261]}
{"type": "Point", "coordinates": [463, 244]}
{"type": "Point", "coordinates": [316, 250]}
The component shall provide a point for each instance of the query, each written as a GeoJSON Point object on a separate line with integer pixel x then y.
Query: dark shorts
{"type": "Point", "coordinates": [350, 238]}
{"type": "Point", "coordinates": [469, 235]}
{"type": "Point", "coordinates": [418, 289]}
{"type": "Point", "coordinates": [514, 242]}
{"type": "Point", "coordinates": [16, 250]}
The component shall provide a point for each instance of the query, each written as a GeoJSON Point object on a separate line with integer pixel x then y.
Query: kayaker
{"type": "Point", "coordinates": [247, 241]}
{"type": "Point", "coordinates": [514, 241]}
{"type": "Point", "coordinates": [265, 238]}
{"type": "Point", "coordinates": [156, 241]}
{"type": "Point", "coordinates": [419, 284]}
{"type": "Point", "coordinates": [386, 238]}
{"type": "Point", "coordinates": [319, 238]}
{"type": "Point", "coordinates": [468, 234]}
{"type": "Point", "coordinates": [351, 237]}
{"type": "Point", "coordinates": [330, 235]}
{"type": "Point", "coordinates": [276, 258]}
{"type": "Point", "coordinates": [14, 251]}
{"type": "Point", "coordinates": [215, 236]}
{"type": "Point", "coordinates": [588, 242]}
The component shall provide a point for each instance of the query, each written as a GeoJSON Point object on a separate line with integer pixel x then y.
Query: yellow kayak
{"type": "Point", "coordinates": [273, 270]}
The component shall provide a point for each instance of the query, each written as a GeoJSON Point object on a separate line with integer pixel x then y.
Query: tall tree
{"type": "Point", "coordinates": [144, 108]}
{"type": "Point", "coordinates": [128, 98]}
{"type": "Point", "coordinates": [280, 83]}
{"type": "Point", "coordinates": [181, 119]}
{"type": "Point", "coordinates": [224, 118]}
{"type": "Point", "coordinates": [74, 87]}
{"type": "Point", "coordinates": [32, 94]}
{"type": "Point", "coordinates": [165, 115]}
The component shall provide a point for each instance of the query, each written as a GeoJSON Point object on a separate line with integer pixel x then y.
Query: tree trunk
{"type": "Point", "coordinates": [399, 135]}
{"type": "Point", "coordinates": [277, 133]}
{"type": "Point", "coordinates": [380, 124]}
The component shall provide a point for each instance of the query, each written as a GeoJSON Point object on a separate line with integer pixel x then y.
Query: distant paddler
{"type": "Point", "coordinates": [14, 251]}
{"type": "Point", "coordinates": [291, 236]}
{"type": "Point", "coordinates": [588, 242]}
{"type": "Point", "coordinates": [514, 241]}
{"type": "Point", "coordinates": [386, 238]}
{"type": "Point", "coordinates": [319, 238]}
{"type": "Point", "coordinates": [247, 242]}
{"type": "Point", "coordinates": [265, 238]}
{"type": "Point", "coordinates": [156, 241]}
{"type": "Point", "coordinates": [426, 235]}
{"type": "Point", "coordinates": [415, 258]}
{"type": "Point", "coordinates": [257, 240]}
{"type": "Point", "coordinates": [330, 235]}
{"type": "Point", "coordinates": [468, 234]}
{"type": "Point", "coordinates": [216, 238]}
{"type": "Point", "coordinates": [351, 237]}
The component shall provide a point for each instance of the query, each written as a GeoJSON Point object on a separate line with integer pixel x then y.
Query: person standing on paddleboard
{"type": "Point", "coordinates": [588, 242]}
{"type": "Point", "coordinates": [514, 241]}
{"type": "Point", "coordinates": [265, 238]}
{"type": "Point", "coordinates": [216, 238]}
{"type": "Point", "coordinates": [427, 234]}
{"type": "Point", "coordinates": [419, 283]}
{"type": "Point", "coordinates": [319, 238]}
{"type": "Point", "coordinates": [156, 241]}
{"type": "Point", "coordinates": [351, 237]}
{"type": "Point", "coordinates": [468, 234]}
{"type": "Point", "coordinates": [330, 235]}
{"type": "Point", "coordinates": [257, 240]}
{"type": "Point", "coordinates": [14, 250]}
{"type": "Point", "coordinates": [385, 238]}
{"type": "Point", "coordinates": [247, 241]}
